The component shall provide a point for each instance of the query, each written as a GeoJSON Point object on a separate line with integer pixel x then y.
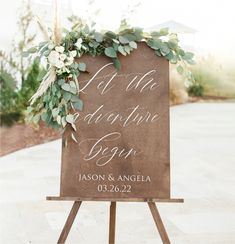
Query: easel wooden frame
{"type": "Point", "coordinates": [71, 154]}
{"type": "Point", "coordinates": [112, 216]}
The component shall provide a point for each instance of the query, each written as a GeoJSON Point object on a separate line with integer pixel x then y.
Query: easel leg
{"type": "Point", "coordinates": [112, 222]}
{"type": "Point", "coordinates": [69, 222]}
{"type": "Point", "coordinates": [158, 222]}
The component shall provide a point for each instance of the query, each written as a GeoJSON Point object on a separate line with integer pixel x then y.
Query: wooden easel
{"type": "Point", "coordinates": [112, 218]}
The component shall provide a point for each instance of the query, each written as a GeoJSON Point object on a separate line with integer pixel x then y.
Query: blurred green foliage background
{"type": "Point", "coordinates": [20, 77]}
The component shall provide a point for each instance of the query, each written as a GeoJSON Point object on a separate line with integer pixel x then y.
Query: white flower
{"type": "Point", "coordinates": [69, 60]}
{"type": "Point", "coordinates": [78, 44]}
{"type": "Point", "coordinates": [63, 57]}
{"type": "Point", "coordinates": [59, 71]}
{"type": "Point", "coordinates": [73, 53]}
{"type": "Point", "coordinates": [53, 57]}
{"type": "Point", "coordinates": [59, 49]}
{"type": "Point", "coordinates": [67, 70]}
{"type": "Point", "coordinates": [51, 46]}
{"type": "Point", "coordinates": [84, 48]}
{"type": "Point", "coordinates": [59, 64]}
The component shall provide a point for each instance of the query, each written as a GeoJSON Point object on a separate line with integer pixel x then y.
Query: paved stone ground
{"type": "Point", "coordinates": [203, 173]}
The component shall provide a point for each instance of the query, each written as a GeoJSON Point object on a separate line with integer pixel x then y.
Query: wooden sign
{"type": "Point", "coordinates": [122, 151]}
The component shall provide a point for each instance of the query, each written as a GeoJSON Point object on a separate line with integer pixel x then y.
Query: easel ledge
{"type": "Point", "coordinates": [80, 199]}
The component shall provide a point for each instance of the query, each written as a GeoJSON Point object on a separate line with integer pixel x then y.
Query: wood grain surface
{"type": "Point", "coordinates": [122, 151]}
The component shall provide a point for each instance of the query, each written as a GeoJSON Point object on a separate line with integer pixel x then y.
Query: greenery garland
{"type": "Point", "coordinates": [61, 97]}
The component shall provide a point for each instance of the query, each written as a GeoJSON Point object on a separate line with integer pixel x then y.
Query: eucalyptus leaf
{"type": "Point", "coordinates": [164, 49]}
{"type": "Point", "coordinates": [70, 118]}
{"type": "Point", "coordinates": [55, 112]}
{"type": "Point", "coordinates": [41, 74]}
{"type": "Point", "coordinates": [32, 50]}
{"type": "Point", "coordinates": [25, 54]}
{"type": "Point", "coordinates": [111, 34]}
{"type": "Point", "coordinates": [180, 69]}
{"type": "Point", "coordinates": [98, 37]}
{"type": "Point", "coordinates": [66, 87]}
{"type": "Point", "coordinates": [51, 105]}
{"type": "Point", "coordinates": [190, 61]}
{"type": "Point", "coordinates": [29, 109]}
{"type": "Point", "coordinates": [181, 52]}
{"type": "Point", "coordinates": [72, 84]}
{"type": "Point", "coordinates": [189, 54]}
{"type": "Point", "coordinates": [174, 60]}
{"type": "Point", "coordinates": [170, 56]}
{"type": "Point", "coordinates": [130, 37]}
{"type": "Point", "coordinates": [155, 34]}
{"type": "Point", "coordinates": [115, 47]}
{"type": "Point", "coordinates": [116, 63]}
{"type": "Point", "coordinates": [82, 67]}
{"type": "Point", "coordinates": [67, 96]}
{"type": "Point", "coordinates": [58, 93]}
{"type": "Point", "coordinates": [74, 98]}
{"type": "Point", "coordinates": [73, 90]}
{"type": "Point", "coordinates": [133, 44]}
{"type": "Point", "coordinates": [173, 43]}
{"type": "Point", "coordinates": [155, 44]}
{"type": "Point", "coordinates": [116, 41]}
{"type": "Point", "coordinates": [53, 88]}
{"type": "Point", "coordinates": [123, 40]}
{"type": "Point", "coordinates": [44, 116]}
{"type": "Point", "coordinates": [78, 105]}
{"type": "Point", "coordinates": [164, 31]}
{"type": "Point", "coordinates": [138, 33]}
{"type": "Point", "coordinates": [158, 53]}
{"type": "Point", "coordinates": [121, 50]}
{"type": "Point", "coordinates": [45, 98]}
{"type": "Point", "coordinates": [127, 49]}
{"type": "Point", "coordinates": [110, 52]}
